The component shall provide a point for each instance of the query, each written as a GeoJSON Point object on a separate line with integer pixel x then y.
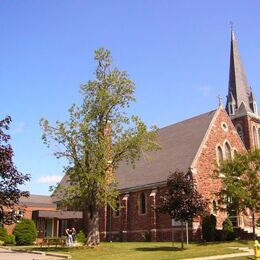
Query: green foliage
{"type": "Point", "coordinates": [25, 232]}
{"type": "Point", "coordinates": [241, 182]}
{"type": "Point", "coordinates": [10, 240]}
{"type": "Point", "coordinates": [98, 135]}
{"type": "Point", "coordinates": [227, 230]}
{"type": "Point", "coordinates": [3, 234]}
{"type": "Point", "coordinates": [209, 227]}
{"type": "Point", "coordinates": [81, 237]}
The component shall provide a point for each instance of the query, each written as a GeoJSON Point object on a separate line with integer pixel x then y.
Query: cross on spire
{"type": "Point", "coordinates": [231, 26]}
{"type": "Point", "coordinates": [219, 100]}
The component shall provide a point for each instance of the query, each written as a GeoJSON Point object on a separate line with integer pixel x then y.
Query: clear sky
{"type": "Point", "coordinates": [177, 53]}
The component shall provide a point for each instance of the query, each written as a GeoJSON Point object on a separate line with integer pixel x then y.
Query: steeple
{"type": "Point", "coordinates": [238, 88]}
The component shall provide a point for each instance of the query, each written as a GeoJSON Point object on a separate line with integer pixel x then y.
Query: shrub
{"type": "Point", "coordinates": [209, 227]}
{"type": "Point", "coordinates": [227, 230]}
{"type": "Point", "coordinates": [10, 240]}
{"type": "Point", "coordinates": [80, 237]}
{"type": "Point", "coordinates": [3, 234]}
{"type": "Point", "coordinates": [25, 232]}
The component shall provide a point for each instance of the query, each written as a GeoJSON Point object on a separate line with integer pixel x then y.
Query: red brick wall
{"type": "Point", "coordinates": [131, 224]}
{"type": "Point", "coordinates": [27, 215]}
{"type": "Point", "coordinates": [247, 124]}
{"type": "Point", "coordinates": [205, 165]}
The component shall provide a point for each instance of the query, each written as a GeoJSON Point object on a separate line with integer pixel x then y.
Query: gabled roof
{"type": "Point", "coordinates": [179, 142]}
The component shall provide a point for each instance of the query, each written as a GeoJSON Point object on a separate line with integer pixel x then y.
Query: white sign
{"type": "Point", "coordinates": [175, 223]}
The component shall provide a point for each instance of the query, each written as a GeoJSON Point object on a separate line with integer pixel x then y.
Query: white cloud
{"type": "Point", "coordinates": [205, 90]}
{"type": "Point", "coordinates": [50, 179]}
{"type": "Point", "coordinates": [18, 128]}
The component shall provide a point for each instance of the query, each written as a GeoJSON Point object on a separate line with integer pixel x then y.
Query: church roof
{"type": "Point", "coordinates": [179, 142]}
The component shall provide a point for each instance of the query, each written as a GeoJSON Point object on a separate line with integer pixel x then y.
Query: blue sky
{"type": "Point", "coordinates": [177, 53]}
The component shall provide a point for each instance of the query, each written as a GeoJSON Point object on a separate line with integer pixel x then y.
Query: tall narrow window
{"type": "Point", "coordinates": [142, 203]}
{"type": "Point", "coordinates": [240, 132]}
{"type": "Point", "coordinates": [231, 109]}
{"type": "Point", "coordinates": [227, 152]}
{"type": "Point", "coordinates": [259, 134]}
{"type": "Point", "coordinates": [255, 137]}
{"type": "Point", "coordinates": [117, 208]}
{"type": "Point", "coordinates": [220, 155]}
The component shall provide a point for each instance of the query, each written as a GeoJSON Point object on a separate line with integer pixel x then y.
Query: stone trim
{"type": "Point", "coordinates": [205, 137]}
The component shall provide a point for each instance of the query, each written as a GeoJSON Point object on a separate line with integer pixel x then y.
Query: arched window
{"type": "Point", "coordinates": [214, 207]}
{"type": "Point", "coordinates": [142, 203]}
{"type": "Point", "coordinates": [255, 137]}
{"type": "Point", "coordinates": [240, 132]}
{"type": "Point", "coordinates": [219, 155]}
{"type": "Point", "coordinates": [227, 151]}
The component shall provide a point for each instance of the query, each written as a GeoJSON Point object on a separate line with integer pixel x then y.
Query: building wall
{"type": "Point", "coordinates": [247, 123]}
{"type": "Point", "coordinates": [27, 214]}
{"type": "Point", "coordinates": [207, 160]}
{"type": "Point", "coordinates": [130, 225]}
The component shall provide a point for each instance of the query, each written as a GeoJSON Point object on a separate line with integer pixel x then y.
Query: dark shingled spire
{"type": "Point", "coordinates": [238, 88]}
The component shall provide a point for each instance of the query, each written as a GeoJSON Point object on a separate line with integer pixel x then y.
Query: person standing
{"type": "Point", "coordinates": [73, 235]}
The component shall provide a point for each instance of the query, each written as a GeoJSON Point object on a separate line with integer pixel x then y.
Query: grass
{"type": "Point", "coordinates": [150, 250]}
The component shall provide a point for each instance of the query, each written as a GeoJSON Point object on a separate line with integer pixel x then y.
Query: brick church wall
{"type": "Point", "coordinates": [130, 225]}
{"type": "Point", "coordinates": [206, 162]}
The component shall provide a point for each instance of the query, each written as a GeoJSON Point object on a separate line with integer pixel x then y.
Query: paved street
{"type": "Point", "coordinates": [10, 255]}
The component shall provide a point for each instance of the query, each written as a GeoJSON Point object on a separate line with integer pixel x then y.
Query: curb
{"type": "Point", "coordinates": [38, 252]}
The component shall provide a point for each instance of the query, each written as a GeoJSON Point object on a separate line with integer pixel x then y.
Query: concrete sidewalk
{"type": "Point", "coordinates": [18, 255]}
{"type": "Point", "coordinates": [250, 252]}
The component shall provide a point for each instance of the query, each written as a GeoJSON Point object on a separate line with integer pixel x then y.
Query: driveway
{"type": "Point", "coordinates": [11, 255]}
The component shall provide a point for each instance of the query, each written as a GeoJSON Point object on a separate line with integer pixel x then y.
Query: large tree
{"type": "Point", "coordinates": [182, 201]}
{"type": "Point", "coordinates": [98, 135]}
{"type": "Point", "coordinates": [10, 177]}
{"type": "Point", "coordinates": [241, 183]}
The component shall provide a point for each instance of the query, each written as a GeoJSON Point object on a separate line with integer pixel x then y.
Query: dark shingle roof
{"type": "Point", "coordinates": [179, 142]}
{"type": "Point", "coordinates": [37, 201]}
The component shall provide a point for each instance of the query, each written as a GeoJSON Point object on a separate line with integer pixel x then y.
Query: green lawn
{"type": "Point", "coordinates": [152, 250]}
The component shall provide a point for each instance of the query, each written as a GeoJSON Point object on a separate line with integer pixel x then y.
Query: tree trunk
{"type": "Point", "coordinates": [93, 238]}
{"type": "Point", "coordinates": [253, 220]}
{"type": "Point", "coordinates": [182, 235]}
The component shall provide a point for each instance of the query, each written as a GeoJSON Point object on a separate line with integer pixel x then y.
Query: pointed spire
{"type": "Point", "coordinates": [238, 87]}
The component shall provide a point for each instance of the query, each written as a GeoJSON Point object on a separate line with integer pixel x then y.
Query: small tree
{"type": "Point", "coordinates": [209, 227]}
{"type": "Point", "coordinates": [98, 135]}
{"type": "Point", "coordinates": [25, 232]}
{"type": "Point", "coordinates": [10, 177]}
{"type": "Point", "coordinates": [227, 230]}
{"type": "Point", "coordinates": [182, 200]}
{"type": "Point", "coordinates": [241, 183]}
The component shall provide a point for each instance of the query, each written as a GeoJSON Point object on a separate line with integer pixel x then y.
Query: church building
{"type": "Point", "coordinates": [194, 145]}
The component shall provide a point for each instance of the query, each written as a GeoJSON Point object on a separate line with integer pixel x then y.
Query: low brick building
{"type": "Point", "coordinates": [48, 219]}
